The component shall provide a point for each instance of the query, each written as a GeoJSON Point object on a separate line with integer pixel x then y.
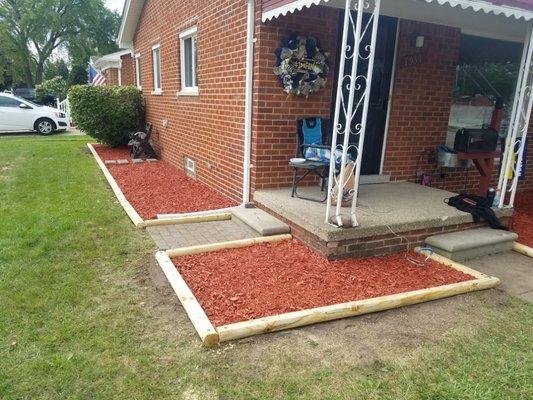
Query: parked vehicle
{"type": "Point", "coordinates": [25, 93]}
{"type": "Point", "coordinates": [18, 114]}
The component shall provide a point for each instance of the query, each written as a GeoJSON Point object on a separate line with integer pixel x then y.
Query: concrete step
{"type": "Point", "coordinates": [464, 245]}
{"type": "Point", "coordinates": [261, 221]}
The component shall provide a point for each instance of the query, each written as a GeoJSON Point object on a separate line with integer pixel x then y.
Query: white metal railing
{"type": "Point", "coordinates": [353, 95]}
{"type": "Point", "coordinates": [63, 106]}
{"type": "Point", "coordinates": [513, 155]}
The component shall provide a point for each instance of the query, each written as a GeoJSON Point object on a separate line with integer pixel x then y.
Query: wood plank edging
{"type": "Point", "coordinates": [194, 310]}
{"type": "Point", "coordinates": [337, 311]}
{"type": "Point", "coordinates": [190, 219]}
{"type": "Point", "coordinates": [523, 249]}
{"type": "Point", "coordinates": [455, 265]}
{"type": "Point", "coordinates": [128, 208]}
{"type": "Point", "coordinates": [234, 244]}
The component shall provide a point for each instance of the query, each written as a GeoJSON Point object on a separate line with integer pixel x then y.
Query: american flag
{"type": "Point", "coordinates": [95, 77]}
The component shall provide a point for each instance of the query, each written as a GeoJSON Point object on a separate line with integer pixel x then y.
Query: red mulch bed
{"type": "Point", "coordinates": [242, 284]}
{"type": "Point", "coordinates": [522, 221]}
{"type": "Point", "coordinates": [160, 188]}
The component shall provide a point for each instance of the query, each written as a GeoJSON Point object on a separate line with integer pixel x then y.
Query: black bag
{"type": "Point", "coordinates": [478, 206]}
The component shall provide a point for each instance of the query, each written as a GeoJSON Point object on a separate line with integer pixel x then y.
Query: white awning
{"type": "Point", "coordinates": [474, 5]}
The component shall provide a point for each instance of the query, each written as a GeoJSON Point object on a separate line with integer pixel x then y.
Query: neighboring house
{"type": "Point", "coordinates": [190, 60]}
{"type": "Point", "coordinates": [117, 68]}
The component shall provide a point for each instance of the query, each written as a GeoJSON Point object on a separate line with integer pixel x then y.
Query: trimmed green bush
{"type": "Point", "coordinates": [56, 86]}
{"type": "Point", "coordinates": [107, 113]}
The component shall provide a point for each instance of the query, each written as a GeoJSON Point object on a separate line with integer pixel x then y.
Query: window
{"type": "Point", "coordinates": [188, 52]}
{"type": "Point", "coordinates": [9, 102]}
{"type": "Point", "coordinates": [156, 59]}
{"type": "Point", "coordinates": [138, 70]}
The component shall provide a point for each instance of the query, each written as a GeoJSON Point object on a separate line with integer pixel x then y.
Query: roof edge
{"type": "Point", "coordinates": [500, 8]}
{"type": "Point", "coordinates": [131, 14]}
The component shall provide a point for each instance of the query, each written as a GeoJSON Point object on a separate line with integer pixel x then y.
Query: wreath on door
{"type": "Point", "coordinates": [301, 66]}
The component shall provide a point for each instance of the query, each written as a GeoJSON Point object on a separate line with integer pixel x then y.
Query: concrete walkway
{"type": "Point", "coordinates": [176, 236]}
{"type": "Point", "coordinates": [514, 270]}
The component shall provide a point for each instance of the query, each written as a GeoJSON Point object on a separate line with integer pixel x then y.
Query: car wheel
{"type": "Point", "coordinates": [45, 126]}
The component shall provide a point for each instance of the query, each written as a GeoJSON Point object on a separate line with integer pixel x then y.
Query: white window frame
{"type": "Point", "coordinates": [158, 89]}
{"type": "Point", "coordinates": [190, 33]}
{"type": "Point", "coordinates": [138, 70]}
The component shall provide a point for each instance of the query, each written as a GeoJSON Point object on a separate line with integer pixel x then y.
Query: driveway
{"type": "Point", "coordinates": [69, 132]}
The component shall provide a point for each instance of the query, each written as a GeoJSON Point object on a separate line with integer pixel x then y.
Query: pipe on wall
{"type": "Point", "coordinates": [248, 99]}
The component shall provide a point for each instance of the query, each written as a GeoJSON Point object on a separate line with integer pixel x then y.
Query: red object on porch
{"type": "Point", "coordinates": [483, 163]}
{"type": "Point", "coordinates": [497, 115]}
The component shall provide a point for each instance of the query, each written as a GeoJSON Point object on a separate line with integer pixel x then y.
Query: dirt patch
{"type": "Point", "coordinates": [522, 220]}
{"type": "Point", "coordinates": [5, 170]}
{"type": "Point", "coordinates": [160, 188]}
{"type": "Point", "coordinates": [242, 284]}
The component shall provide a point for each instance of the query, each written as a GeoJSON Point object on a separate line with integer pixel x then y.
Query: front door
{"type": "Point", "coordinates": [379, 93]}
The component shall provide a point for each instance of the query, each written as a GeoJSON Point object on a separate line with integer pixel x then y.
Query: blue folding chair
{"type": "Point", "coordinates": [312, 146]}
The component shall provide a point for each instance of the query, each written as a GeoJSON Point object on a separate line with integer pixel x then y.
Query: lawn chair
{"type": "Point", "coordinates": [313, 152]}
{"type": "Point", "coordinates": [140, 143]}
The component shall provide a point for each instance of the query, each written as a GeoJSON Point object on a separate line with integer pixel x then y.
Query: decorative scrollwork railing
{"type": "Point", "coordinates": [351, 107]}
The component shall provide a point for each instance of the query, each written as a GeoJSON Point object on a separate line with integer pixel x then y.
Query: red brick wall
{"type": "Point", "coordinates": [275, 114]}
{"type": "Point", "coordinates": [111, 76]}
{"type": "Point", "coordinates": [209, 127]}
{"type": "Point", "coordinates": [421, 102]}
{"type": "Point", "coordinates": [127, 73]}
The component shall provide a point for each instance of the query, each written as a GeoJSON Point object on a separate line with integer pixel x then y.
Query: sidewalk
{"type": "Point", "coordinates": [184, 235]}
{"type": "Point", "coordinates": [514, 270]}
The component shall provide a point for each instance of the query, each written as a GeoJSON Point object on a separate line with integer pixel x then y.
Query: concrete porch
{"type": "Point", "coordinates": [392, 217]}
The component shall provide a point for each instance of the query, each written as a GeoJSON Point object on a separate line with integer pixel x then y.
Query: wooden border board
{"type": "Point", "coordinates": [315, 315]}
{"type": "Point", "coordinates": [136, 218]}
{"type": "Point", "coordinates": [523, 249]}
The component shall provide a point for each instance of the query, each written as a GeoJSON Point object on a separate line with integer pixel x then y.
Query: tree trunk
{"type": "Point", "coordinates": [28, 78]}
{"type": "Point", "coordinates": [39, 73]}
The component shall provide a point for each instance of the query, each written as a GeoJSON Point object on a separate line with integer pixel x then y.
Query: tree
{"type": "Point", "coordinates": [35, 29]}
{"type": "Point", "coordinates": [77, 76]}
{"type": "Point", "coordinates": [99, 40]}
{"type": "Point", "coordinates": [9, 71]}
{"type": "Point", "coordinates": [56, 68]}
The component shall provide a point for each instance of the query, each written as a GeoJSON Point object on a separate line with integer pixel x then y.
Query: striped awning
{"type": "Point", "coordinates": [518, 9]}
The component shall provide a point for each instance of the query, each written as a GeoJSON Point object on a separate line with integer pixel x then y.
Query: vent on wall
{"type": "Point", "coordinates": [190, 165]}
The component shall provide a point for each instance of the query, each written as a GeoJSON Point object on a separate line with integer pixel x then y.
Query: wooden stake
{"type": "Point", "coordinates": [206, 248]}
{"type": "Point", "coordinates": [187, 220]}
{"type": "Point", "coordinates": [194, 310]}
{"type": "Point", "coordinates": [523, 249]}
{"type": "Point", "coordinates": [321, 314]}
{"type": "Point", "coordinates": [134, 216]}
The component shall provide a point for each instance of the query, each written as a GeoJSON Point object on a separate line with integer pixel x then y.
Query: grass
{"type": "Point", "coordinates": [79, 320]}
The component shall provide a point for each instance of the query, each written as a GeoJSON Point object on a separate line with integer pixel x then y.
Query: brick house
{"type": "Point", "coordinates": [117, 68]}
{"type": "Point", "coordinates": [206, 71]}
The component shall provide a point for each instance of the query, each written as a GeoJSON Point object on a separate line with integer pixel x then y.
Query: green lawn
{"type": "Point", "coordinates": [84, 315]}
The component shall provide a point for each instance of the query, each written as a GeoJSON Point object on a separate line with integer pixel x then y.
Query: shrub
{"type": "Point", "coordinates": [56, 86]}
{"type": "Point", "coordinates": [107, 113]}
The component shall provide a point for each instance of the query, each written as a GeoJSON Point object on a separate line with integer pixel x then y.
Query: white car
{"type": "Point", "coordinates": [17, 114]}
